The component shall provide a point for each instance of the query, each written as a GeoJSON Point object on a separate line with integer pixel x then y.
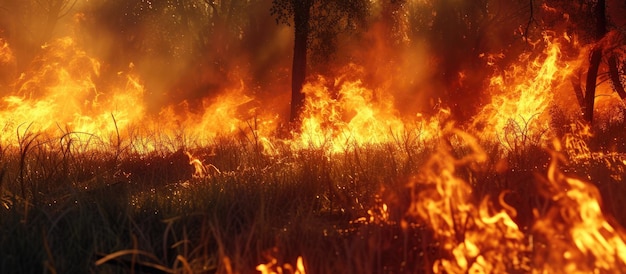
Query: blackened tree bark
{"type": "Point", "coordinates": [594, 62]}
{"type": "Point", "coordinates": [615, 77]}
{"type": "Point", "coordinates": [301, 17]}
{"type": "Point", "coordinates": [316, 23]}
{"type": "Point", "coordinates": [615, 10]}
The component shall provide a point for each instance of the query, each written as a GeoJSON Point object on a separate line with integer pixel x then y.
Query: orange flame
{"type": "Point", "coordinates": [572, 234]}
{"type": "Point", "coordinates": [578, 235]}
{"type": "Point", "coordinates": [521, 97]}
{"type": "Point", "coordinates": [355, 116]}
{"type": "Point", "coordinates": [6, 55]}
{"type": "Point", "coordinates": [475, 238]}
{"type": "Point", "coordinates": [59, 97]}
{"type": "Point", "coordinates": [273, 267]}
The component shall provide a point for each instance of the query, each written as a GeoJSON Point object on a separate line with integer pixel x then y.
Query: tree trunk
{"type": "Point", "coordinates": [302, 9]}
{"type": "Point", "coordinates": [594, 62]}
{"type": "Point", "coordinates": [614, 76]}
{"type": "Point", "coordinates": [590, 87]}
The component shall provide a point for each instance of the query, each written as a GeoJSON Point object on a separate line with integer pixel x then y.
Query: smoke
{"type": "Point", "coordinates": [426, 55]}
{"type": "Point", "coordinates": [182, 51]}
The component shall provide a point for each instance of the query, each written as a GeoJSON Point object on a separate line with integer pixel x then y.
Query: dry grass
{"type": "Point", "coordinates": [67, 211]}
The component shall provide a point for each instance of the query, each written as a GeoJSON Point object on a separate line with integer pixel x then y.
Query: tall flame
{"type": "Point", "coordinates": [475, 238]}
{"type": "Point", "coordinates": [346, 113]}
{"type": "Point", "coordinates": [578, 236]}
{"type": "Point", "coordinates": [59, 97]}
{"type": "Point", "coordinates": [521, 97]}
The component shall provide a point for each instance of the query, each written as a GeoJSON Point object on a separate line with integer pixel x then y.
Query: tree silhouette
{"type": "Point", "coordinates": [29, 24]}
{"type": "Point", "coordinates": [315, 22]}
{"type": "Point", "coordinates": [607, 39]}
{"type": "Point", "coordinates": [459, 33]}
{"type": "Point", "coordinates": [595, 59]}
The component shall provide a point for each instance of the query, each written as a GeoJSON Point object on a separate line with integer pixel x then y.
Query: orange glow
{"type": "Point", "coordinates": [576, 143]}
{"type": "Point", "coordinates": [521, 97]}
{"type": "Point", "coordinates": [344, 114]}
{"type": "Point", "coordinates": [579, 237]}
{"type": "Point", "coordinates": [223, 115]}
{"type": "Point", "coordinates": [66, 96]}
{"type": "Point", "coordinates": [572, 234]}
{"type": "Point", "coordinates": [352, 118]}
{"type": "Point", "coordinates": [476, 238]}
{"type": "Point", "coordinates": [273, 267]}
{"type": "Point", "coordinates": [6, 55]}
{"type": "Point", "coordinates": [59, 97]}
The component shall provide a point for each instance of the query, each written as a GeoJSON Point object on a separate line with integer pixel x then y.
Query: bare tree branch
{"type": "Point", "coordinates": [67, 10]}
{"type": "Point", "coordinates": [615, 77]}
{"type": "Point", "coordinates": [530, 20]}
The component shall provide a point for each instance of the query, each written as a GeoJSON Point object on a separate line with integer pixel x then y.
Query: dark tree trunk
{"type": "Point", "coordinates": [302, 9]}
{"type": "Point", "coordinates": [590, 87]}
{"type": "Point", "coordinates": [594, 62]}
{"type": "Point", "coordinates": [614, 75]}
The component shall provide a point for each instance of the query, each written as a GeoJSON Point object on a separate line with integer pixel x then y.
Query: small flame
{"type": "Point", "coordinates": [200, 169]}
{"type": "Point", "coordinates": [6, 54]}
{"type": "Point", "coordinates": [273, 267]}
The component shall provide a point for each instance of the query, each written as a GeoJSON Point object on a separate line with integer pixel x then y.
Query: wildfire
{"type": "Point", "coordinates": [218, 116]}
{"type": "Point", "coordinates": [59, 97]}
{"type": "Point", "coordinates": [578, 237]}
{"type": "Point", "coordinates": [345, 113]}
{"type": "Point", "coordinates": [475, 238]}
{"type": "Point", "coordinates": [273, 267]}
{"type": "Point", "coordinates": [352, 117]}
{"type": "Point", "coordinates": [64, 96]}
{"type": "Point", "coordinates": [521, 97]}
{"type": "Point", "coordinates": [571, 235]}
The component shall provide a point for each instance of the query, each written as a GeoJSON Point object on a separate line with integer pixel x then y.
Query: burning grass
{"type": "Point", "coordinates": [83, 207]}
{"type": "Point", "coordinates": [350, 211]}
{"type": "Point", "coordinates": [93, 178]}
{"type": "Point", "coordinates": [356, 189]}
